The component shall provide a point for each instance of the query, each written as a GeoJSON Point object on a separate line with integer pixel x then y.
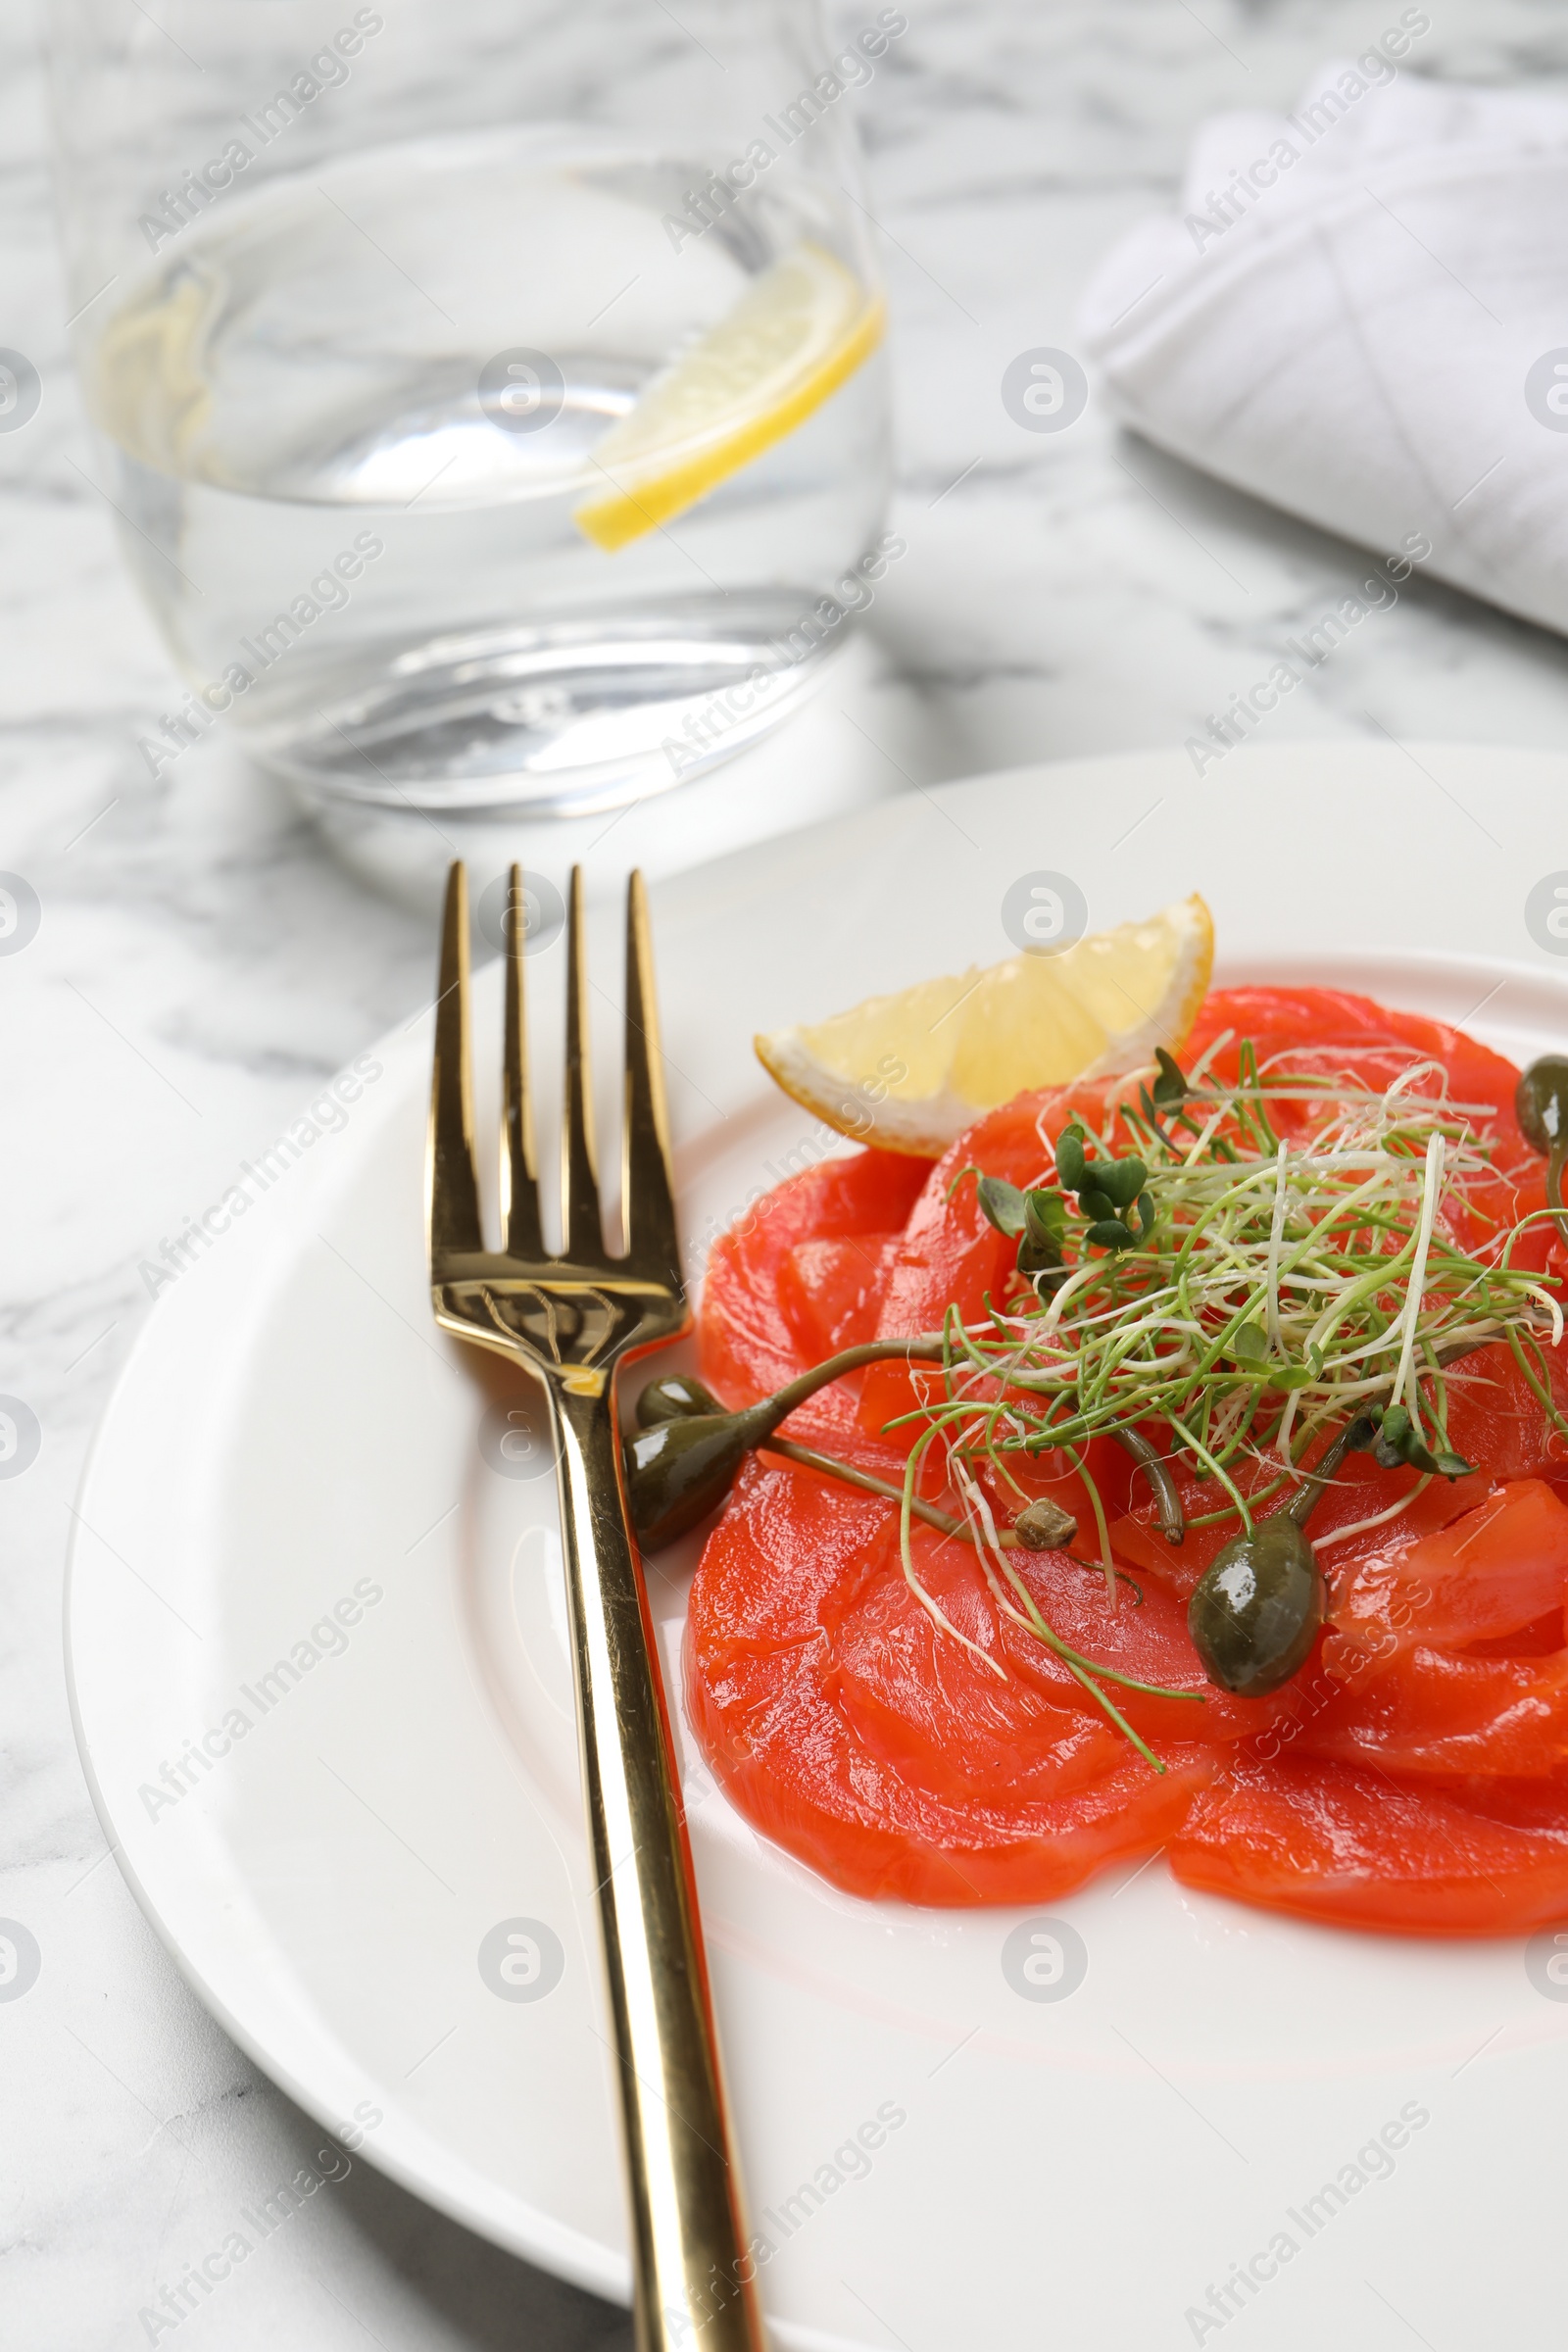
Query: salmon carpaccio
{"type": "Point", "coordinates": [1413, 1778]}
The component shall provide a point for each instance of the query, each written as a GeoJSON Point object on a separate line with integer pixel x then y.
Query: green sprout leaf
{"type": "Point", "coordinates": [1243, 1304]}
{"type": "Point", "coordinates": [1170, 1087]}
{"type": "Point", "coordinates": [1044, 1227]}
{"type": "Point", "coordinates": [1399, 1440]}
{"type": "Point", "coordinates": [1046, 1217]}
{"type": "Point", "coordinates": [1070, 1156]}
{"type": "Point", "coordinates": [1121, 1180]}
{"type": "Point", "coordinates": [1002, 1204]}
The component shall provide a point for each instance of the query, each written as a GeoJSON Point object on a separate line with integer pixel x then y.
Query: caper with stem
{"type": "Point", "coordinates": [681, 1469]}
{"type": "Point", "coordinates": [1540, 1106]}
{"type": "Point", "coordinates": [1254, 1613]}
{"type": "Point", "coordinates": [686, 1451]}
{"type": "Point", "coordinates": [683, 1460]}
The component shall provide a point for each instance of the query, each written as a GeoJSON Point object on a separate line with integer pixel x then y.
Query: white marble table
{"type": "Point", "coordinates": [201, 964]}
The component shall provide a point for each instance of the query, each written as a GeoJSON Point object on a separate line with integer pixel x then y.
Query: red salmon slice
{"type": "Point", "coordinates": [756, 1329]}
{"type": "Point", "coordinates": [870, 1794]}
{"type": "Point", "coordinates": [1442, 1713]}
{"type": "Point", "coordinates": [1493, 1570]}
{"type": "Point", "coordinates": [891, 1757]}
{"type": "Point", "coordinates": [1329, 1842]}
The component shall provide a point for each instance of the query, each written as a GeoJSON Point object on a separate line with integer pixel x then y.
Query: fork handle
{"type": "Point", "coordinates": [691, 2268]}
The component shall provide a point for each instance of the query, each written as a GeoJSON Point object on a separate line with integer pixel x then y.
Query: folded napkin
{"type": "Point", "coordinates": [1360, 311]}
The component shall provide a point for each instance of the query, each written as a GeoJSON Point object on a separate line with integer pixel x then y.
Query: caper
{"type": "Point", "coordinates": [673, 1398]}
{"type": "Point", "coordinates": [1541, 1100]}
{"type": "Point", "coordinates": [1044, 1525]}
{"type": "Point", "coordinates": [1540, 1106]}
{"type": "Point", "coordinates": [1254, 1613]}
{"type": "Point", "coordinates": [681, 1469]}
{"type": "Point", "coordinates": [1256, 1610]}
{"type": "Point", "coordinates": [682, 1461]}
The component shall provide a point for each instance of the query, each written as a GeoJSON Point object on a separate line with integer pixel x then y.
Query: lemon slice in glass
{"type": "Point", "coordinates": [909, 1072]}
{"type": "Point", "coordinates": [791, 339]}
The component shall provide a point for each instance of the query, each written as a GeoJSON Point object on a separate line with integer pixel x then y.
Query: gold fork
{"type": "Point", "coordinates": [570, 1320]}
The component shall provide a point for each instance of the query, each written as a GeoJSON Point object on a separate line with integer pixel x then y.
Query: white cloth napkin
{"type": "Point", "coordinates": [1360, 312]}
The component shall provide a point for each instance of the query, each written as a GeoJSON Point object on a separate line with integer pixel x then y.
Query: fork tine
{"type": "Point", "coordinates": [520, 1185]}
{"type": "Point", "coordinates": [653, 1245]}
{"type": "Point", "coordinates": [452, 1190]}
{"type": "Point", "coordinates": [583, 1231]}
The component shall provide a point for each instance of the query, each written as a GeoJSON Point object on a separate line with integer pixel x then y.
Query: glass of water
{"type": "Point", "coordinates": [491, 394]}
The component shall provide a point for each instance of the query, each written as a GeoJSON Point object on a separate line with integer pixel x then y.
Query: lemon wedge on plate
{"type": "Point", "coordinates": [791, 339]}
{"type": "Point", "coordinates": [909, 1072]}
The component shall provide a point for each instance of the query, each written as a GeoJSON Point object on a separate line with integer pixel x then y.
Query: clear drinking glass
{"type": "Point", "coordinates": [491, 393]}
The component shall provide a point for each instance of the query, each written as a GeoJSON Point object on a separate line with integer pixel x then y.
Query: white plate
{"type": "Point", "coordinates": [1080, 2171]}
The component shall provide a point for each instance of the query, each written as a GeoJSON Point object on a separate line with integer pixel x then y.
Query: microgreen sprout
{"type": "Point", "coordinates": [1222, 1277]}
{"type": "Point", "coordinates": [1227, 1273]}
